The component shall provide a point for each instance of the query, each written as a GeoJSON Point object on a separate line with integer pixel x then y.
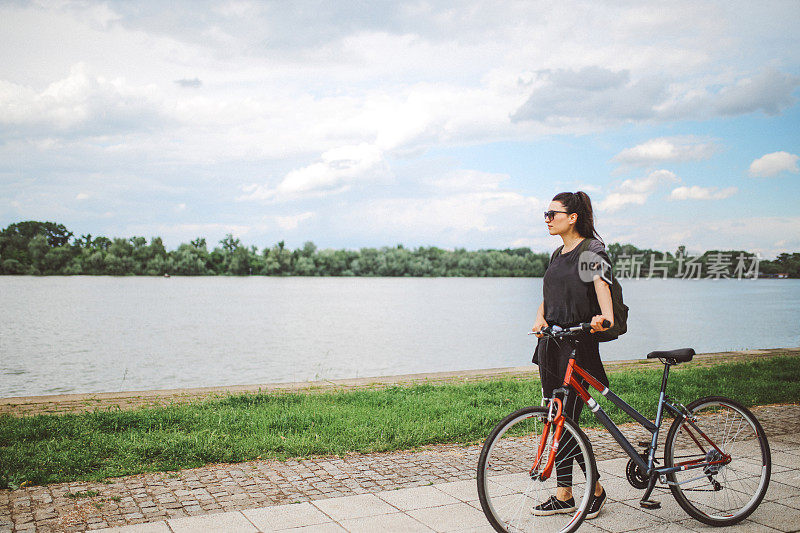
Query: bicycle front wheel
{"type": "Point", "coordinates": [509, 489]}
{"type": "Point", "coordinates": [719, 494]}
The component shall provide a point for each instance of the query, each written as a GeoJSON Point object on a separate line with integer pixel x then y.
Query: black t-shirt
{"type": "Point", "coordinates": [569, 299]}
{"type": "Point", "coordinates": [569, 295]}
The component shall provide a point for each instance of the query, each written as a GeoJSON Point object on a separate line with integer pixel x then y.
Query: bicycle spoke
{"type": "Point", "coordinates": [729, 491]}
{"type": "Point", "coordinates": [510, 491]}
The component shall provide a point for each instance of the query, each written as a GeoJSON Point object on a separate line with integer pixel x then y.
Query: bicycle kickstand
{"type": "Point", "coordinates": [646, 502]}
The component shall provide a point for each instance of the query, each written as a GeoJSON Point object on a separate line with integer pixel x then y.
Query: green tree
{"type": "Point", "coordinates": [102, 243]}
{"type": "Point", "coordinates": [95, 263]}
{"type": "Point", "coordinates": [309, 249]}
{"type": "Point", "coordinates": [240, 262]}
{"type": "Point", "coordinates": [113, 265]}
{"type": "Point", "coordinates": [158, 266]}
{"type": "Point", "coordinates": [140, 252]}
{"type": "Point", "coordinates": [157, 248]}
{"type": "Point", "coordinates": [37, 249]}
{"type": "Point", "coordinates": [16, 238]}
{"type": "Point", "coordinates": [332, 262]}
{"type": "Point", "coordinates": [304, 266]}
{"type": "Point", "coordinates": [278, 261]}
{"type": "Point", "coordinates": [74, 267]}
{"type": "Point", "coordinates": [256, 260]}
{"type": "Point", "coordinates": [229, 243]}
{"type": "Point", "coordinates": [12, 266]}
{"type": "Point", "coordinates": [56, 260]}
{"type": "Point", "coordinates": [270, 264]}
{"type": "Point", "coordinates": [119, 259]}
{"type": "Point", "coordinates": [218, 261]}
{"type": "Point", "coordinates": [84, 241]}
{"type": "Point", "coordinates": [188, 260]}
{"type": "Point", "coordinates": [789, 264]}
{"type": "Point", "coordinates": [43, 248]}
{"type": "Point", "coordinates": [222, 256]}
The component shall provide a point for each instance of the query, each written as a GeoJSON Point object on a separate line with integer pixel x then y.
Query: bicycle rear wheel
{"type": "Point", "coordinates": [722, 494]}
{"type": "Point", "coordinates": [509, 491]}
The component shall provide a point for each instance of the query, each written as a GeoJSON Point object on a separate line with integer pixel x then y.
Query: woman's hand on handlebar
{"type": "Point", "coordinates": [541, 328]}
{"type": "Point", "coordinates": [598, 323]}
{"type": "Point", "coordinates": [538, 326]}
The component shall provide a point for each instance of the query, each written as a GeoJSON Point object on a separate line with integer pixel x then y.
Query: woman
{"type": "Point", "coordinates": [571, 297]}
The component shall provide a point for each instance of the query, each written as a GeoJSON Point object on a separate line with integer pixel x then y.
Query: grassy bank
{"type": "Point", "coordinates": [92, 446]}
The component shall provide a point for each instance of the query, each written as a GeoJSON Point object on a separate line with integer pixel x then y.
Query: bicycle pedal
{"type": "Point", "coordinates": [650, 504]}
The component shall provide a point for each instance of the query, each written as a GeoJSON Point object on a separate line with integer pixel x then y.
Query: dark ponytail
{"type": "Point", "coordinates": [580, 204]}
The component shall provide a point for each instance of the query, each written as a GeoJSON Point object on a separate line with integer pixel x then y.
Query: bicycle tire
{"type": "Point", "coordinates": [508, 491]}
{"type": "Point", "coordinates": [727, 494]}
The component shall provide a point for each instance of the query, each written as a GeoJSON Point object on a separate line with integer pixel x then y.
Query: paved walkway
{"type": "Point", "coordinates": [454, 507]}
{"type": "Point", "coordinates": [428, 488]}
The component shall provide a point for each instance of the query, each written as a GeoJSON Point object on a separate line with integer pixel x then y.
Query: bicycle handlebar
{"type": "Point", "coordinates": [559, 332]}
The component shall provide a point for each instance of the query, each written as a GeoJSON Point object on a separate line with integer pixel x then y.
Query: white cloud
{"type": "Point", "coordinates": [617, 200]}
{"type": "Point", "coordinates": [636, 191]}
{"type": "Point", "coordinates": [80, 104]}
{"type": "Point", "coordinates": [769, 91]}
{"type": "Point", "coordinates": [335, 172]}
{"type": "Point", "coordinates": [450, 218]}
{"type": "Point", "coordinates": [590, 93]}
{"type": "Point", "coordinates": [702, 193]}
{"type": "Point", "coordinates": [572, 97]}
{"type": "Point", "coordinates": [312, 102]}
{"type": "Point", "coordinates": [470, 180]}
{"type": "Point", "coordinates": [280, 82]}
{"type": "Point", "coordinates": [291, 222]}
{"type": "Point", "coordinates": [773, 164]}
{"type": "Point", "coordinates": [650, 182]}
{"type": "Point", "coordinates": [700, 234]}
{"type": "Point", "coordinates": [82, 196]}
{"type": "Point", "coordinates": [666, 149]}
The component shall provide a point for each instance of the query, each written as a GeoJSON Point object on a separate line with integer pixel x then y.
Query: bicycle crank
{"type": "Point", "coordinates": [636, 476]}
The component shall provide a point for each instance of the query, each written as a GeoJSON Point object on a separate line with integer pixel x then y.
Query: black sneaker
{"type": "Point", "coordinates": [597, 504]}
{"type": "Point", "coordinates": [554, 506]}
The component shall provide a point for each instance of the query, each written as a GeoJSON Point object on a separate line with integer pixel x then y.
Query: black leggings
{"type": "Point", "coordinates": [567, 448]}
{"type": "Point", "coordinates": [552, 358]}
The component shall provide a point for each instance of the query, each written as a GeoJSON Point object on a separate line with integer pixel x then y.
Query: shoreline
{"type": "Point", "coordinates": [82, 402]}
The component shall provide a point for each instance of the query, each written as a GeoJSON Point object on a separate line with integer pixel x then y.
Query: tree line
{"type": "Point", "coordinates": [47, 248]}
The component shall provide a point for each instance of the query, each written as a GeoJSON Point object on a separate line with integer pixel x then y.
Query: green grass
{"type": "Point", "coordinates": [101, 444]}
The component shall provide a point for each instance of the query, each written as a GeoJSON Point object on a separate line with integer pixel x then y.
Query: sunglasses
{"type": "Point", "coordinates": [550, 215]}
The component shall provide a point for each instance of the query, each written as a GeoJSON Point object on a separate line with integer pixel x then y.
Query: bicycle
{"type": "Point", "coordinates": [716, 458]}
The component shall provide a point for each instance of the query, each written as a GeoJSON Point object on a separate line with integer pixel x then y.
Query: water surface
{"type": "Point", "coordinates": [97, 333]}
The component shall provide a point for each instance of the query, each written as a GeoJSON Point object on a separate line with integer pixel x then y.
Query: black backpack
{"type": "Point", "coordinates": [618, 306]}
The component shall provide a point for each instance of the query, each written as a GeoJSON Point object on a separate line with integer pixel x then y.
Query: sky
{"type": "Point", "coordinates": [373, 123]}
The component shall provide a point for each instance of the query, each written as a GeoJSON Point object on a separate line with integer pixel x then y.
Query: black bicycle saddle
{"type": "Point", "coordinates": [680, 355]}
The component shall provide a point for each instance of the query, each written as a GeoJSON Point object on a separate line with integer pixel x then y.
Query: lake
{"type": "Point", "coordinates": [97, 333]}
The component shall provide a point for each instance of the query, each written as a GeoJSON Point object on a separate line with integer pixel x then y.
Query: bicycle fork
{"type": "Point", "coordinates": [558, 420]}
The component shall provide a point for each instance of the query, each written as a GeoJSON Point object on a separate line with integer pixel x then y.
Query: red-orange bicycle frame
{"type": "Point", "coordinates": [558, 420]}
